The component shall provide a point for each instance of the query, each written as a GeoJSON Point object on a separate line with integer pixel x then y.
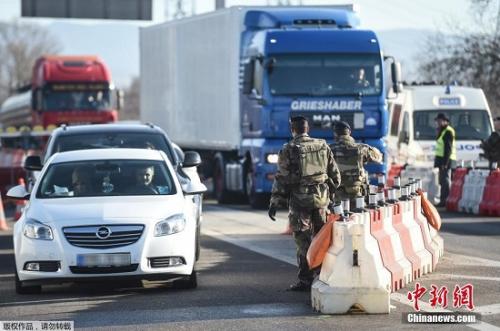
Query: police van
{"type": "Point", "coordinates": [412, 130]}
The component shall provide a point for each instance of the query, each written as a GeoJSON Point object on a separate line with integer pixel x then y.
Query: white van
{"type": "Point", "coordinates": [412, 129]}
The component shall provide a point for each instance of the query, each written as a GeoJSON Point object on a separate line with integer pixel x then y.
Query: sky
{"type": "Point", "coordinates": [402, 26]}
{"type": "Point", "coordinates": [374, 14]}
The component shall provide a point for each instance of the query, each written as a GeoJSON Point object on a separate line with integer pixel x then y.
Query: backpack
{"type": "Point", "coordinates": [312, 191]}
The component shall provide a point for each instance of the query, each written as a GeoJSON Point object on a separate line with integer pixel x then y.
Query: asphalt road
{"type": "Point", "coordinates": [244, 269]}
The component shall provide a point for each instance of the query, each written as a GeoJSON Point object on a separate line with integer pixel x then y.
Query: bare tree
{"type": "Point", "coordinates": [20, 45]}
{"type": "Point", "coordinates": [471, 58]}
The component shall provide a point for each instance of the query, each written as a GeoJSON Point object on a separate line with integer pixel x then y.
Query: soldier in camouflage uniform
{"type": "Point", "coordinates": [306, 180]}
{"type": "Point", "coordinates": [351, 158]}
{"type": "Point", "coordinates": [491, 146]}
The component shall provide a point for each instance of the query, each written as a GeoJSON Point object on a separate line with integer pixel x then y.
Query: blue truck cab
{"type": "Point", "coordinates": [315, 63]}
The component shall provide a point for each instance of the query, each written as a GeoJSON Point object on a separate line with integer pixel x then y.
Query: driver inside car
{"type": "Point", "coordinates": [144, 181]}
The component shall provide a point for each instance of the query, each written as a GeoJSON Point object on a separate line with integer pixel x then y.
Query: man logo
{"type": "Point", "coordinates": [325, 121]}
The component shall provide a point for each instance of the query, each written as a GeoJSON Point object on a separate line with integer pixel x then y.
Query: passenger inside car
{"type": "Point", "coordinates": [144, 181]}
{"type": "Point", "coordinates": [82, 181]}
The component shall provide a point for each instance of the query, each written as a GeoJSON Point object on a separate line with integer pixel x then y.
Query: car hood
{"type": "Point", "coordinates": [89, 210]}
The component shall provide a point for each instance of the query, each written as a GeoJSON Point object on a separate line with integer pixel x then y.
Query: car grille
{"type": "Point", "coordinates": [103, 270]}
{"type": "Point", "coordinates": [103, 236]}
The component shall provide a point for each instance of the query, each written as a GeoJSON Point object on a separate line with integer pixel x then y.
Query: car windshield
{"type": "Point", "coordinates": [325, 74]}
{"type": "Point", "coordinates": [468, 124]}
{"type": "Point", "coordinates": [106, 178]}
{"type": "Point", "coordinates": [96, 140]}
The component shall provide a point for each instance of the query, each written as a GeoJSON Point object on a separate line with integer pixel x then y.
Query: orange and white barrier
{"type": "Point", "coordinates": [375, 251]}
{"type": "Point", "coordinates": [353, 273]}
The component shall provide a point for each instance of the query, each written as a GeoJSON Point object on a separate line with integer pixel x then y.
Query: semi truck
{"type": "Point", "coordinates": [226, 83]}
{"type": "Point", "coordinates": [64, 90]}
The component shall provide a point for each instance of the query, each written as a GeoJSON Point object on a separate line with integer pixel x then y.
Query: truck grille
{"type": "Point", "coordinates": [103, 236]}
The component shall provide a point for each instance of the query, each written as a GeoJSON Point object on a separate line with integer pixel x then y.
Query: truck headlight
{"type": "Point", "coordinates": [171, 225]}
{"type": "Point", "coordinates": [37, 230]}
{"type": "Point", "coordinates": [272, 158]}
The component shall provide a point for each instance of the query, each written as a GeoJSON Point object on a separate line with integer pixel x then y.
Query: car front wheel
{"type": "Point", "coordinates": [189, 282]}
{"type": "Point", "coordinates": [22, 289]}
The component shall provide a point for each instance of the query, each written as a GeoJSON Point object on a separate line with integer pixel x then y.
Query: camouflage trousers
{"type": "Point", "coordinates": [305, 224]}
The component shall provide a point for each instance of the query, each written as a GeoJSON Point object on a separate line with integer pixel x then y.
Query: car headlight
{"type": "Point", "coordinates": [37, 230]}
{"type": "Point", "coordinates": [171, 225]}
{"type": "Point", "coordinates": [272, 158]}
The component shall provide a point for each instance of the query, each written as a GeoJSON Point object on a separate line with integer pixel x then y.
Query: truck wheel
{"type": "Point", "coordinates": [220, 192]}
{"type": "Point", "coordinates": [256, 200]}
{"type": "Point", "coordinates": [21, 289]}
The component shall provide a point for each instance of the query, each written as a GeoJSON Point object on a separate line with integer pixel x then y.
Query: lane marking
{"type": "Point", "coordinates": [473, 261]}
{"type": "Point", "coordinates": [7, 275]}
{"type": "Point", "coordinates": [64, 300]}
{"type": "Point", "coordinates": [249, 246]}
{"type": "Point", "coordinates": [488, 309]}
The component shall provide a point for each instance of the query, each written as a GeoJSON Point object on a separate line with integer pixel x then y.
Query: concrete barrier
{"type": "Point", "coordinates": [353, 274]}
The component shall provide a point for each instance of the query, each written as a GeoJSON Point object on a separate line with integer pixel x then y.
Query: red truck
{"type": "Point", "coordinates": [64, 90]}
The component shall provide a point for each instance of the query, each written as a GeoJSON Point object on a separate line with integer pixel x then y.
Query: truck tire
{"type": "Point", "coordinates": [219, 179]}
{"type": "Point", "coordinates": [256, 200]}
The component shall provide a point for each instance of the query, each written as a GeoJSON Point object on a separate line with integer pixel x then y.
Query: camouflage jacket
{"type": "Point", "coordinates": [351, 158]}
{"type": "Point", "coordinates": [288, 179]}
{"type": "Point", "coordinates": [491, 147]}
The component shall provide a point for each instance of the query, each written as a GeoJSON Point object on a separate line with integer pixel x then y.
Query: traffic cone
{"type": "Point", "coordinates": [20, 204]}
{"type": "Point", "coordinates": [3, 221]}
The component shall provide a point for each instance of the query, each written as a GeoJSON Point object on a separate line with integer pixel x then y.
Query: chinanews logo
{"type": "Point", "coordinates": [326, 105]}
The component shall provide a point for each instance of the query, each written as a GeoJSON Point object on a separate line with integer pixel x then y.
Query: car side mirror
{"type": "Point", "coordinates": [119, 99]}
{"type": "Point", "coordinates": [396, 77]}
{"type": "Point", "coordinates": [248, 73]}
{"type": "Point", "coordinates": [33, 163]}
{"type": "Point", "coordinates": [191, 159]}
{"type": "Point", "coordinates": [192, 188]}
{"type": "Point", "coordinates": [18, 192]}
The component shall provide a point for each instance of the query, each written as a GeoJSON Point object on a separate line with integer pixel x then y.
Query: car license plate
{"type": "Point", "coordinates": [103, 260]}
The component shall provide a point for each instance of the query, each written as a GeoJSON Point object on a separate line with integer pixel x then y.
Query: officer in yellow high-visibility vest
{"type": "Point", "coordinates": [446, 155]}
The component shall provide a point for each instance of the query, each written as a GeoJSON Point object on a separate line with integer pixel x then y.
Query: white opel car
{"type": "Point", "coordinates": [106, 214]}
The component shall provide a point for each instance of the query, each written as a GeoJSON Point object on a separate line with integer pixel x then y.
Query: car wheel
{"type": "Point", "coordinates": [197, 244]}
{"type": "Point", "coordinates": [189, 282]}
{"type": "Point", "coordinates": [22, 289]}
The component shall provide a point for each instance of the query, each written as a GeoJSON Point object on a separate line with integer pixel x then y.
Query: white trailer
{"type": "Point", "coordinates": [194, 98]}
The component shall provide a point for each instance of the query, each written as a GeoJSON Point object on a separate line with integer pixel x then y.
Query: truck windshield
{"type": "Point", "coordinates": [468, 124]}
{"type": "Point", "coordinates": [325, 74]}
{"type": "Point", "coordinates": [74, 100]}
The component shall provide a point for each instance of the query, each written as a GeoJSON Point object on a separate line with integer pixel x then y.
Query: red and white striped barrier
{"type": "Point", "coordinates": [375, 251]}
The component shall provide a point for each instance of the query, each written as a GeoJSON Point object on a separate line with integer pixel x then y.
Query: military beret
{"type": "Point", "coordinates": [341, 126]}
{"type": "Point", "coordinates": [297, 119]}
